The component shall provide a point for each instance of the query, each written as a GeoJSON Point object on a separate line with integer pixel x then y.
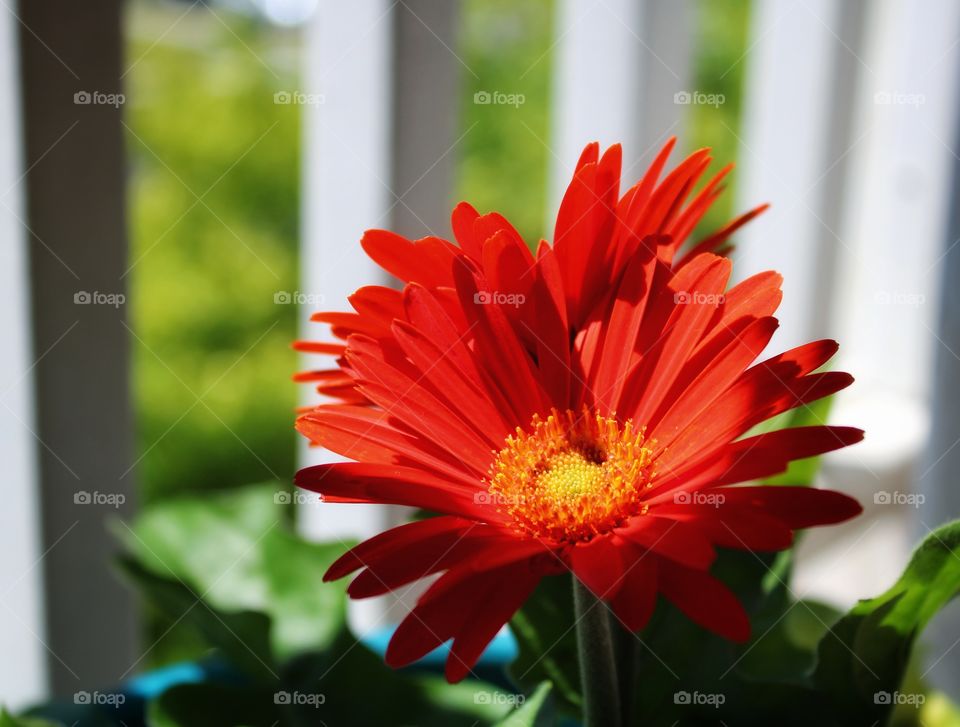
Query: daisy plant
{"type": "Point", "coordinates": [590, 406]}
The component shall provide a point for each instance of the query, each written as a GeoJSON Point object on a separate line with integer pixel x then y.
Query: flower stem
{"type": "Point", "coordinates": [598, 667]}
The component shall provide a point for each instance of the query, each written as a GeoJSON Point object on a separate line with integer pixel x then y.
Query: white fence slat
{"type": "Point", "coordinates": [23, 672]}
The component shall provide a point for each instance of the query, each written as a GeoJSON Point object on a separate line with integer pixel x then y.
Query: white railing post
{"type": "Point", "coordinates": [790, 116]}
{"type": "Point", "coordinates": [617, 67]}
{"type": "Point", "coordinates": [347, 166]}
{"type": "Point", "coordinates": [379, 153]}
{"type": "Point", "coordinates": [23, 671]}
{"type": "Point", "coordinates": [75, 216]}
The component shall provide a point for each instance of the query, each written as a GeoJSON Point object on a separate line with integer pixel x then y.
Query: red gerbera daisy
{"type": "Point", "coordinates": [579, 409]}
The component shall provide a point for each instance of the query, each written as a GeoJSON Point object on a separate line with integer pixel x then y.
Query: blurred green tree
{"type": "Point", "coordinates": [214, 199]}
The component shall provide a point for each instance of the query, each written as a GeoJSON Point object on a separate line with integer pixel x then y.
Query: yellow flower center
{"type": "Point", "coordinates": [571, 477]}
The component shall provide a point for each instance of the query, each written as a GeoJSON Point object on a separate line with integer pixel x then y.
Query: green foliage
{"type": "Point", "coordinates": [229, 567]}
{"type": "Point", "coordinates": [864, 658]}
{"type": "Point", "coordinates": [805, 664]}
{"type": "Point", "coordinates": [238, 553]}
{"type": "Point", "coordinates": [8, 720]}
{"type": "Point", "coordinates": [535, 712]}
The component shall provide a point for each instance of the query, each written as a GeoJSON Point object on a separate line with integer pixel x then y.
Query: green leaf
{"type": "Point", "coordinates": [864, 656]}
{"type": "Point", "coordinates": [242, 636]}
{"type": "Point", "coordinates": [786, 643]}
{"type": "Point", "coordinates": [359, 689]}
{"type": "Point", "coordinates": [940, 711]}
{"type": "Point", "coordinates": [676, 657]}
{"type": "Point", "coordinates": [235, 550]}
{"type": "Point", "coordinates": [8, 720]}
{"type": "Point", "coordinates": [534, 712]}
{"type": "Point", "coordinates": [306, 612]}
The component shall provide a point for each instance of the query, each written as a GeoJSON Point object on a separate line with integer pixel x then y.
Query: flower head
{"type": "Point", "coordinates": [586, 408]}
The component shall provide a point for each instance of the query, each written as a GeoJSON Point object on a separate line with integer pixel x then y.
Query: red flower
{"type": "Point", "coordinates": [579, 409]}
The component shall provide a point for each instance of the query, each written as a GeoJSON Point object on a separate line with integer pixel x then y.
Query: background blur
{"type": "Point", "coordinates": [186, 181]}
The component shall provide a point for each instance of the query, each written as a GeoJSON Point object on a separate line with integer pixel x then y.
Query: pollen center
{"type": "Point", "coordinates": [571, 476]}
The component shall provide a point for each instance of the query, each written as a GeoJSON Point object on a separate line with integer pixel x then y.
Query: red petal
{"type": "Point", "coordinates": [670, 194]}
{"type": "Point", "coordinates": [730, 526]}
{"type": "Point", "coordinates": [798, 507]}
{"type": "Point", "coordinates": [510, 271]}
{"type": "Point", "coordinates": [756, 457]}
{"type": "Point", "coordinates": [637, 597]}
{"type": "Point", "coordinates": [686, 325]}
{"type": "Point", "coordinates": [367, 435]}
{"type": "Point", "coordinates": [461, 394]}
{"type": "Point", "coordinates": [761, 392]}
{"type": "Point", "coordinates": [464, 215]}
{"type": "Point", "coordinates": [671, 539]}
{"type": "Point", "coordinates": [589, 155]}
{"type": "Point", "coordinates": [335, 349]}
{"type": "Point", "coordinates": [598, 566]}
{"type": "Point", "coordinates": [418, 408]}
{"type": "Point", "coordinates": [428, 311]}
{"type": "Point", "coordinates": [756, 297]}
{"type": "Point", "coordinates": [553, 335]}
{"type": "Point", "coordinates": [705, 601]}
{"type": "Point", "coordinates": [683, 225]}
{"type": "Point", "coordinates": [389, 485]}
{"type": "Point", "coordinates": [506, 590]}
{"type": "Point", "coordinates": [467, 606]}
{"type": "Point", "coordinates": [480, 548]}
{"type": "Point", "coordinates": [344, 323]}
{"type": "Point", "coordinates": [393, 540]}
{"type": "Point", "coordinates": [702, 380]}
{"type": "Point", "coordinates": [714, 242]}
{"type": "Point", "coordinates": [585, 223]}
{"type": "Point", "coordinates": [427, 261]}
{"type": "Point", "coordinates": [497, 346]}
{"type": "Point", "coordinates": [619, 342]}
{"type": "Point", "coordinates": [487, 226]}
{"type": "Point", "coordinates": [631, 208]}
{"type": "Point", "coordinates": [379, 303]}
